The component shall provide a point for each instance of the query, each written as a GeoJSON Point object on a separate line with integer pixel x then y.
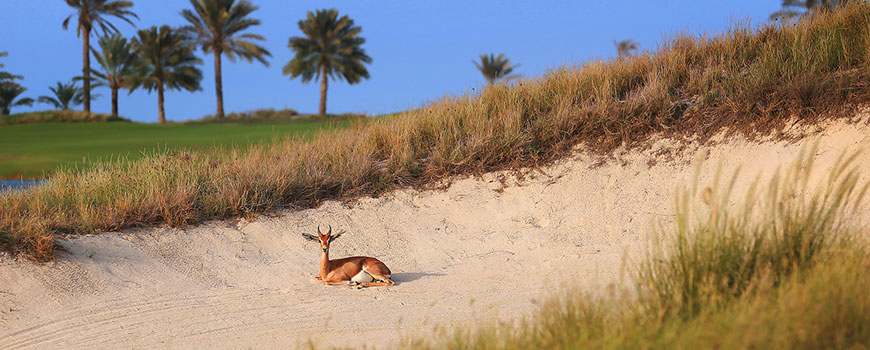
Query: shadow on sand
{"type": "Point", "coordinates": [412, 276]}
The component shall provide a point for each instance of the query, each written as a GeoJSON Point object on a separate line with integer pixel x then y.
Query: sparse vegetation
{"type": "Point", "coordinates": [747, 81]}
{"type": "Point", "coordinates": [779, 270]}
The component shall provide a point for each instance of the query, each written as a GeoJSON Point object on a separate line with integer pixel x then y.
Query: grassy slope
{"type": "Point", "coordinates": [33, 150]}
{"type": "Point", "coordinates": [745, 80]}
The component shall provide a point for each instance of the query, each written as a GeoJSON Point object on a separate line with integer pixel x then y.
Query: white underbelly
{"type": "Point", "coordinates": [362, 277]}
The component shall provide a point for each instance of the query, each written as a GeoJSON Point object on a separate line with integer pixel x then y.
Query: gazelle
{"type": "Point", "coordinates": [362, 271]}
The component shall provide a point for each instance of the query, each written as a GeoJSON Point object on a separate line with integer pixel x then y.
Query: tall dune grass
{"type": "Point", "coordinates": [745, 80]}
{"type": "Point", "coordinates": [781, 269]}
{"type": "Point", "coordinates": [722, 251]}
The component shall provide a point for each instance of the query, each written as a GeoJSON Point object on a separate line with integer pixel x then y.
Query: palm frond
{"type": "Point", "coordinates": [217, 25]}
{"type": "Point", "coordinates": [626, 47]}
{"type": "Point", "coordinates": [9, 93]}
{"type": "Point", "coordinates": [26, 101]}
{"type": "Point", "coordinates": [117, 60]}
{"type": "Point", "coordinates": [51, 101]}
{"type": "Point", "coordinates": [92, 14]}
{"type": "Point", "coordinates": [495, 68]}
{"type": "Point", "coordinates": [66, 95]}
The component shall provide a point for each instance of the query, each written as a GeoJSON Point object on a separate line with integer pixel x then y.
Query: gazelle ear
{"type": "Point", "coordinates": [310, 237]}
{"type": "Point", "coordinates": [335, 236]}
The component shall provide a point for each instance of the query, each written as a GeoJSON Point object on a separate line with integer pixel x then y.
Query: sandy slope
{"type": "Point", "coordinates": [483, 248]}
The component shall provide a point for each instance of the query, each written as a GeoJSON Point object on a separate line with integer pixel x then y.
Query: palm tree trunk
{"type": "Point", "coordinates": [218, 84]}
{"type": "Point", "coordinates": [324, 84]}
{"type": "Point", "coordinates": [86, 67]}
{"type": "Point", "coordinates": [115, 102]}
{"type": "Point", "coordinates": [161, 115]}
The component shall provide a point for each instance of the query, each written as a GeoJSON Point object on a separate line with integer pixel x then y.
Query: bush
{"type": "Point", "coordinates": [259, 115]}
{"type": "Point", "coordinates": [58, 117]}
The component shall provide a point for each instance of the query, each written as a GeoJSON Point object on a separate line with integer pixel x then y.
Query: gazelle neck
{"type": "Point", "coordinates": [324, 264]}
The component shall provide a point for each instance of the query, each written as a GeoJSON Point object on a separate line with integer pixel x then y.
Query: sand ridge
{"type": "Point", "coordinates": [485, 248]}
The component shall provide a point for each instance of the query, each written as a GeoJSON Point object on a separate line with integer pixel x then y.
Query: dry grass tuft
{"type": "Point", "coordinates": [746, 81]}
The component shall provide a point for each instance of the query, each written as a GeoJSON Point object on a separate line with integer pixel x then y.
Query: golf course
{"type": "Point", "coordinates": [32, 151]}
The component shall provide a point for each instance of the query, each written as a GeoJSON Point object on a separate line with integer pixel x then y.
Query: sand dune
{"type": "Point", "coordinates": [484, 248]}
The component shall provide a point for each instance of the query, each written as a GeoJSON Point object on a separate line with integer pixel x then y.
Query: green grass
{"type": "Point", "coordinates": [34, 150]}
{"type": "Point", "coordinates": [783, 268]}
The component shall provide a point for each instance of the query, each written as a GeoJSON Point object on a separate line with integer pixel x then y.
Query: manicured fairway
{"type": "Point", "coordinates": [33, 150]}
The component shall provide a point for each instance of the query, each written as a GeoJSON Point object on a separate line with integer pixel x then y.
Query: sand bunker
{"type": "Point", "coordinates": [482, 249]}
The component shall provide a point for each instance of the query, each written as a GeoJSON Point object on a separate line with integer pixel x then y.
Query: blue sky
{"type": "Point", "coordinates": [421, 50]}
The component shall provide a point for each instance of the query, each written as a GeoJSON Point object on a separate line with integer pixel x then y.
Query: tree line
{"type": "Point", "coordinates": [163, 58]}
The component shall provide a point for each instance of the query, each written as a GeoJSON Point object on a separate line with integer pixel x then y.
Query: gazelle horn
{"type": "Point", "coordinates": [318, 230]}
{"type": "Point", "coordinates": [330, 230]}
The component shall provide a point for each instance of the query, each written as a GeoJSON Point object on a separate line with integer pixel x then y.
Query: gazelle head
{"type": "Point", "coordinates": [324, 239]}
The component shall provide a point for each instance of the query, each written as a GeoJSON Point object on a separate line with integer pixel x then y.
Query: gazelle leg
{"type": "Point", "coordinates": [375, 284]}
{"type": "Point", "coordinates": [382, 281]}
{"type": "Point", "coordinates": [340, 283]}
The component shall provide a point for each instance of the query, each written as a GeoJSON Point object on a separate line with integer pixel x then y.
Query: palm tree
{"type": "Point", "coordinates": [91, 14]}
{"type": "Point", "coordinates": [119, 64]}
{"type": "Point", "coordinates": [796, 8]}
{"type": "Point", "coordinates": [6, 75]}
{"type": "Point", "coordinates": [9, 92]}
{"type": "Point", "coordinates": [168, 62]}
{"type": "Point", "coordinates": [331, 48]}
{"type": "Point", "coordinates": [216, 26]}
{"type": "Point", "coordinates": [495, 68]}
{"type": "Point", "coordinates": [626, 47]}
{"type": "Point", "coordinates": [65, 96]}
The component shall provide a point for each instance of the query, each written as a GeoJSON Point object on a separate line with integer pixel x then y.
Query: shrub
{"type": "Point", "coordinates": [58, 117]}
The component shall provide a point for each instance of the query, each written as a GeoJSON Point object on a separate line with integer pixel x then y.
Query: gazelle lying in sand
{"type": "Point", "coordinates": [362, 271]}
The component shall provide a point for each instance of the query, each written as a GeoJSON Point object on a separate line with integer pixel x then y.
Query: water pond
{"type": "Point", "coordinates": [16, 184]}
